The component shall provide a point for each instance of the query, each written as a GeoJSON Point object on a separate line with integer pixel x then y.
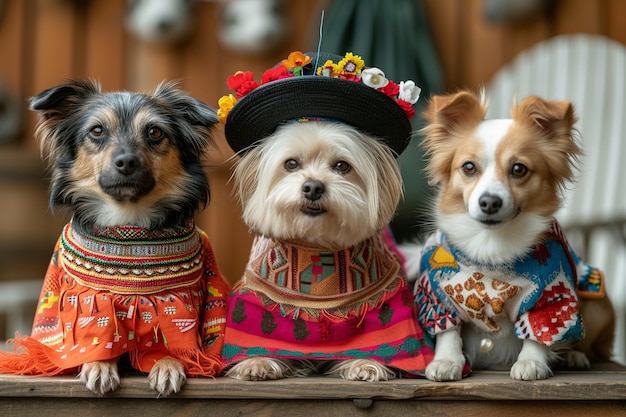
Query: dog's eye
{"type": "Point", "coordinates": [291, 165]}
{"type": "Point", "coordinates": [469, 168]}
{"type": "Point", "coordinates": [96, 131]}
{"type": "Point", "coordinates": [342, 167]}
{"type": "Point", "coordinates": [519, 170]}
{"type": "Point", "coordinates": [154, 133]}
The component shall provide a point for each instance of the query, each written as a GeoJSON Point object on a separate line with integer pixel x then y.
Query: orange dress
{"type": "Point", "coordinates": [126, 290]}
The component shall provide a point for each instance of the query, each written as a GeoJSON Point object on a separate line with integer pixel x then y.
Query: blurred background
{"type": "Point", "coordinates": [442, 45]}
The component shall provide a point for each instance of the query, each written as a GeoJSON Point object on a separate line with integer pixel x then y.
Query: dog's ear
{"type": "Point", "coordinates": [554, 117]}
{"type": "Point", "coordinates": [198, 119]}
{"type": "Point", "coordinates": [60, 98]}
{"type": "Point", "coordinates": [192, 110]}
{"type": "Point", "coordinates": [555, 134]}
{"type": "Point", "coordinates": [447, 117]}
{"type": "Point", "coordinates": [54, 105]}
{"type": "Point", "coordinates": [449, 111]}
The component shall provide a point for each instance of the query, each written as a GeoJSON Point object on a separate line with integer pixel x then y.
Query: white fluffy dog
{"type": "Point", "coordinates": [324, 290]}
{"type": "Point", "coordinates": [319, 184]}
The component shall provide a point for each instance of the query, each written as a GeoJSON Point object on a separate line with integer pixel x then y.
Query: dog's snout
{"type": "Point", "coordinates": [489, 203]}
{"type": "Point", "coordinates": [313, 189]}
{"type": "Point", "coordinates": [126, 163]}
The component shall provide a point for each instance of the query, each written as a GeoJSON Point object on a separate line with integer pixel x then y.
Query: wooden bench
{"type": "Point", "coordinates": [600, 391]}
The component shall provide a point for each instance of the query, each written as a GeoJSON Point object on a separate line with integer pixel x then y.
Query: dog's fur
{"type": "Point", "coordinates": [500, 183]}
{"type": "Point", "coordinates": [125, 158]}
{"type": "Point", "coordinates": [321, 184]}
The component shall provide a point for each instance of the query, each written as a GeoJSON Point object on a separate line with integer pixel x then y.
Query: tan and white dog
{"type": "Point", "coordinates": [497, 283]}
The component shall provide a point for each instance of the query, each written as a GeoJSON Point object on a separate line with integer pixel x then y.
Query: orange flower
{"type": "Point", "coordinates": [296, 59]}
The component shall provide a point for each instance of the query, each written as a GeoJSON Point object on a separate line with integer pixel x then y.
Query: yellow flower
{"type": "Point", "coordinates": [296, 59]}
{"type": "Point", "coordinates": [351, 64]}
{"type": "Point", "coordinates": [329, 69]}
{"type": "Point", "coordinates": [226, 104]}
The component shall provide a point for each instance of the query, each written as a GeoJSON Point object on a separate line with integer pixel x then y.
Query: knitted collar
{"type": "Point", "coordinates": [132, 260]}
{"type": "Point", "coordinates": [311, 277]}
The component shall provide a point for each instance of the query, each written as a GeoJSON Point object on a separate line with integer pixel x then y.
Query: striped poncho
{"type": "Point", "coordinates": [126, 290]}
{"type": "Point", "coordinates": [304, 303]}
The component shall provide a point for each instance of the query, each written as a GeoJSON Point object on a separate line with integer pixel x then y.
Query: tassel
{"type": "Point", "coordinates": [29, 358]}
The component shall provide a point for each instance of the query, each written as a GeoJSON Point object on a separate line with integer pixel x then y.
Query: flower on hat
{"type": "Point", "coordinates": [226, 104]}
{"type": "Point", "coordinates": [374, 77]}
{"type": "Point", "coordinates": [329, 69]}
{"type": "Point", "coordinates": [295, 61]}
{"type": "Point", "coordinates": [409, 91]}
{"type": "Point", "coordinates": [275, 73]}
{"type": "Point", "coordinates": [391, 89]}
{"type": "Point", "coordinates": [242, 82]}
{"type": "Point", "coordinates": [351, 68]}
{"type": "Point", "coordinates": [407, 107]}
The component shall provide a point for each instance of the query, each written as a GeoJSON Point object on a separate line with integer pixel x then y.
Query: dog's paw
{"type": "Point", "coordinates": [530, 370]}
{"type": "Point", "coordinates": [100, 376]}
{"type": "Point", "coordinates": [167, 376]}
{"type": "Point", "coordinates": [361, 370]}
{"type": "Point", "coordinates": [444, 370]}
{"type": "Point", "coordinates": [259, 369]}
{"type": "Point", "coordinates": [577, 359]}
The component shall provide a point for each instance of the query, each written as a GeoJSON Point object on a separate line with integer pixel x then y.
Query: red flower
{"type": "Point", "coordinates": [407, 107]}
{"type": "Point", "coordinates": [242, 82]}
{"type": "Point", "coordinates": [277, 73]}
{"type": "Point", "coordinates": [391, 89]}
{"type": "Point", "coordinates": [349, 77]}
{"type": "Point", "coordinates": [246, 88]}
{"type": "Point", "coordinates": [237, 79]}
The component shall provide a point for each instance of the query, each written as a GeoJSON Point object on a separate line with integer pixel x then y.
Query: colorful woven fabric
{"type": "Point", "coordinates": [538, 292]}
{"type": "Point", "coordinates": [126, 290]}
{"type": "Point", "coordinates": [302, 303]}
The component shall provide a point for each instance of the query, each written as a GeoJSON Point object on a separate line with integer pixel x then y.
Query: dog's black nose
{"type": "Point", "coordinates": [313, 189]}
{"type": "Point", "coordinates": [126, 163]}
{"type": "Point", "coordinates": [489, 203]}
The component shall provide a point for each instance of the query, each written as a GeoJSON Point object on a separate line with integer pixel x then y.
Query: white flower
{"type": "Point", "coordinates": [409, 91]}
{"type": "Point", "coordinates": [374, 77]}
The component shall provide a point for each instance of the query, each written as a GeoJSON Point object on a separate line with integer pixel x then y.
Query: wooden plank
{"type": "Point", "coordinates": [574, 16]}
{"type": "Point", "coordinates": [54, 43]}
{"type": "Point", "coordinates": [222, 221]}
{"type": "Point", "coordinates": [105, 407]}
{"type": "Point", "coordinates": [597, 392]}
{"type": "Point", "coordinates": [444, 17]}
{"type": "Point", "coordinates": [480, 46]}
{"type": "Point", "coordinates": [201, 69]}
{"type": "Point", "coordinates": [13, 15]}
{"type": "Point", "coordinates": [53, 49]}
{"type": "Point", "coordinates": [152, 63]}
{"type": "Point", "coordinates": [613, 19]}
{"type": "Point", "coordinates": [522, 35]}
{"type": "Point", "coordinates": [104, 43]}
{"type": "Point", "coordinates": [480, 386]}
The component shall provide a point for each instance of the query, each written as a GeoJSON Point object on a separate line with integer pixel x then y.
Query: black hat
{"type": "Point", "coordinates": [318, 87]}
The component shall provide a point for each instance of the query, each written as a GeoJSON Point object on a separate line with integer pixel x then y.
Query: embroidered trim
{"type": "Point", "coordinates": [299, 277]}
{"type": "Point", "coordinates": [132, 260]}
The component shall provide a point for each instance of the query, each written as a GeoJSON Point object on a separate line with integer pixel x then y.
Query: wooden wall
{"type": "Point", "coordinates": [44, 42]}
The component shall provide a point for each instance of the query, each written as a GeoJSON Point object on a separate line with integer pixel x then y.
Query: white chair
{"type": "Point", "coordinates": [590, 71]}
